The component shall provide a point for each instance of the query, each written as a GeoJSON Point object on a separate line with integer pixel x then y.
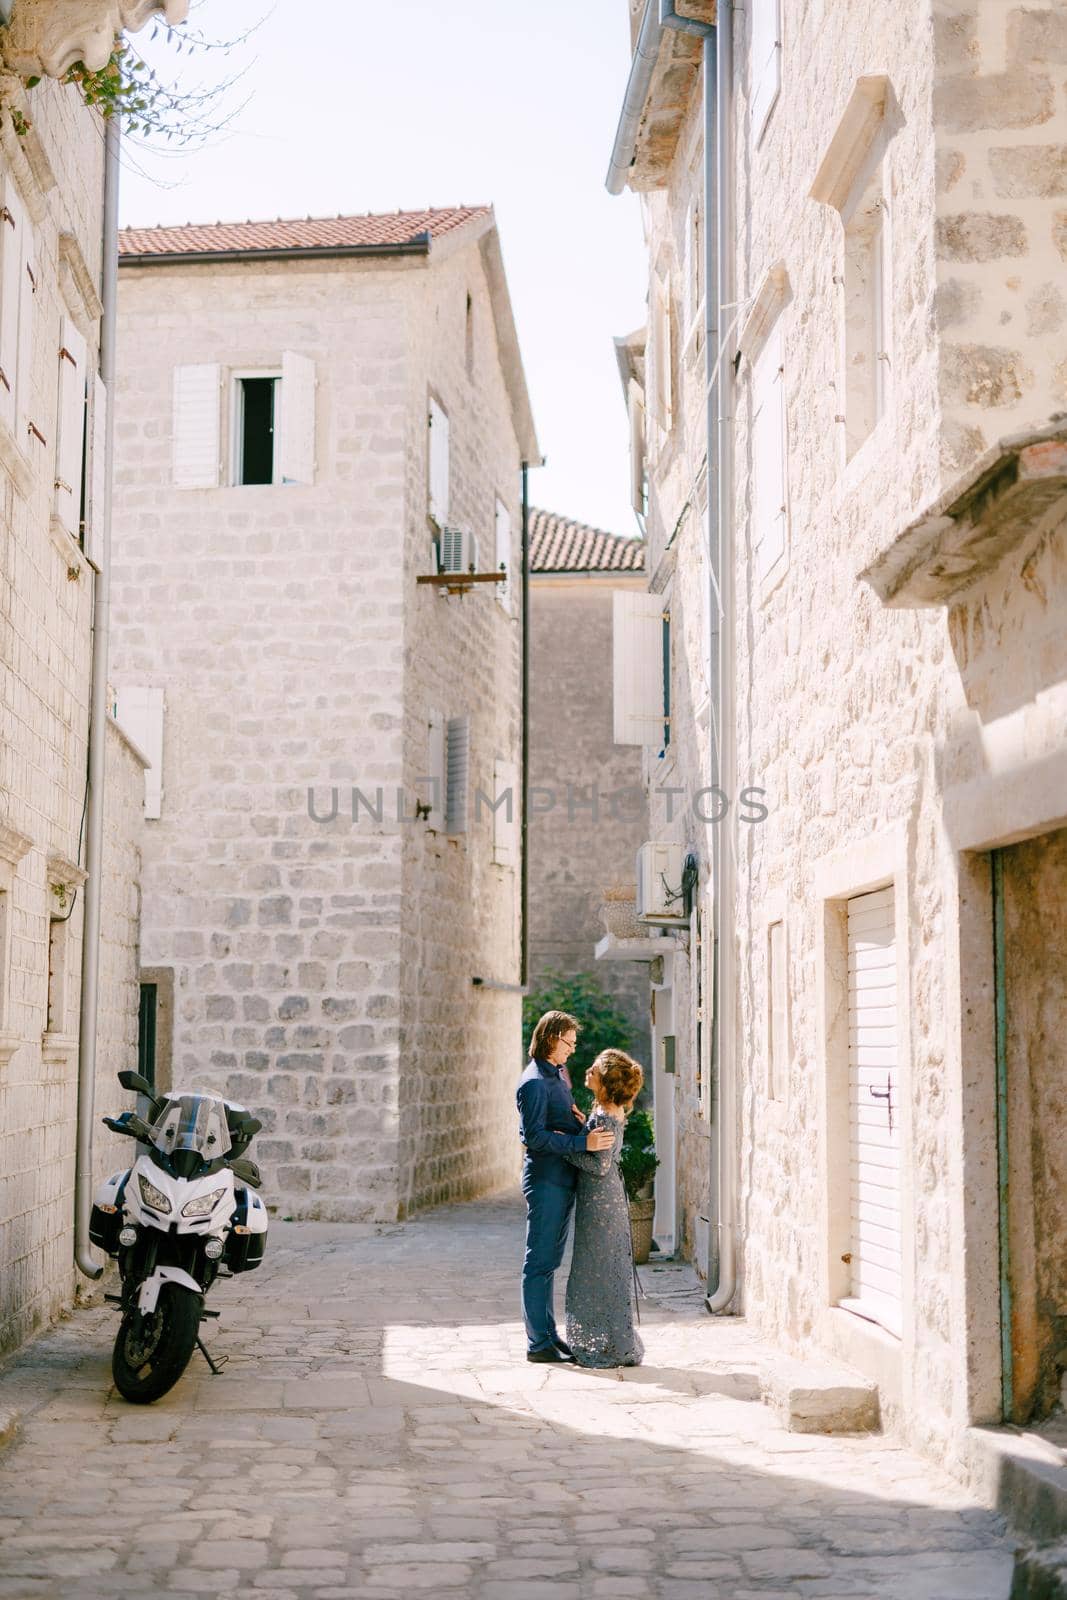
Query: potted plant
{"type": "Point", "coordinates": [618, 912]}
{"type": "Point", "coordinates": [638, 1161]}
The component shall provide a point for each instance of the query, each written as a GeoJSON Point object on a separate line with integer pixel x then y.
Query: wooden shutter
{"type": "Point", "coordinates": [139, 711]}
{"type": "Point", "coordinates": [296, 441]}
{"type": "Point", "coordinates": [196, 426]}
{"type": "Point", "coordinates": [70, 442]}
{"type": "Point", "coordinates": [768, 456]}
{"type": "Point", "coordinates": [439, 464]}
{"type": "Point", "coordinates": [503, 553]}
{"type": "Point", "coordinates": [27, 333]}
{"type": "Point", "coordinates": [436, 771]}
{"type": "Point", "coordinates": [662, 355]}
{"type": "Point", "coordinates": [457, 746]}
{"type": "Point", "coordinates": [637, 634]}
{"type": "Point", "coordinates": [507, 803]}
{"type": "Point", "coordinates": [636, 406]}
{"type": "Point", "coordinates": [94, 516]}
{"type": "Point", "coordinates": [13, 224]}
{"type": "Point", "coordinates": [874, 1110]}
{"type": "Point", "coordinates": [764, 61]}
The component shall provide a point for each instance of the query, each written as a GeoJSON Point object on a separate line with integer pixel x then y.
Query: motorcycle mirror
{"type": "Point", "coordinates": [135, 1083]}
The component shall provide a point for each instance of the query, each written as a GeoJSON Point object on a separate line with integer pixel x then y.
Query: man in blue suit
{"type": "Point", "coordinates": [549, 1125]}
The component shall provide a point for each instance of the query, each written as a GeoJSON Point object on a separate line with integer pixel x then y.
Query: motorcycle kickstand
{"type": "Point", "coordinates": [216, 1366]}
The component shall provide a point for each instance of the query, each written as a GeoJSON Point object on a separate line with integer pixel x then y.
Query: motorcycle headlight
{"type": "Point", "coordinates": [151, 1195]}
{"type": "Point", "coordinates": [203, 1205]}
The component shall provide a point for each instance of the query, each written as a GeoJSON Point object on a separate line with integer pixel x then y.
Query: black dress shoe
{"type": "Point", "coordinates": [550, 1357]}
{"type": "Point", "coordinates": [564, 1349]}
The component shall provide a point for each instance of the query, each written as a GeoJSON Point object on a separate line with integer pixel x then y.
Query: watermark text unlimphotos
{"type": "Point", "coordinates": [580, 803]}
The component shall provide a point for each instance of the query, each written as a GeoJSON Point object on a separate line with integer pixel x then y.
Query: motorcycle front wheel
{"type": "Point", "coordinates": [151, 1352]}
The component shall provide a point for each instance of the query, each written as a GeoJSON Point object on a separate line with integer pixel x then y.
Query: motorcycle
{"type": "Point", "coordinates": [184, 1214]}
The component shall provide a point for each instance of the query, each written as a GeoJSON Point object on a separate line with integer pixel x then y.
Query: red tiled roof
{"type": "Point", "coordinates": [559, 545]}
{"type": "Point", "coordinates": [308, 233]}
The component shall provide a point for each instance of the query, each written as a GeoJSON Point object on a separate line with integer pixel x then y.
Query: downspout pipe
{"type": "Point", "coordinates": [633, 104]}
{"type": "Point", "coordinates": [724, 1071]}
{"type": "Point", "coordinates": [83, 1167]}
{"type": "Point", "coordinates": [524, 774]}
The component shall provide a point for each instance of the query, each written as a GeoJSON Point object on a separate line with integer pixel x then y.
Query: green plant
{"type": "Point", "coordinates": [638, 1164]}
{"type": "Point", "coordinates": [604, 1026]}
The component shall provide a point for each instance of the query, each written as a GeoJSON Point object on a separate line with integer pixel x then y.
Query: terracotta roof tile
{"type": "Point", "coordinates": [557, 544]}
{"type": "Point", "coordinates": [309, 233]}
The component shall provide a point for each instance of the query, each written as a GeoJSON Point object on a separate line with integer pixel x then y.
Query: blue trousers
{"type": "Point", "coordinates": [548, 1216]}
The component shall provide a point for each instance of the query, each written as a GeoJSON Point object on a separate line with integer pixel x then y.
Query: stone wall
{"type": "Point", "coordinates": [575, 855]}
{"type": "Point", "coordinates": [296, 651]}
{"type": "Point", "coordinates": [45, 651]}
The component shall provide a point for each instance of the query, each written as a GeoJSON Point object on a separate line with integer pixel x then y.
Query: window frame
{"type": "Point", "coordinates": [237, 377]}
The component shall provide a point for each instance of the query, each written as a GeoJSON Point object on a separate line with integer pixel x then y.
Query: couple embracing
{"type": "Point", "coordinates": [571, 1166]}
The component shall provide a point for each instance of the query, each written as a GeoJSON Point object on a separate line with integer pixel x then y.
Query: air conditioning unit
{"type": "Point", "coordinates": [660, 898]}
{"type": "Point", "coordinates": [457, 550]}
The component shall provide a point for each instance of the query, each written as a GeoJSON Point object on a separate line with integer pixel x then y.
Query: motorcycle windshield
{"type": "Point", "coordinates": [195, 1123]}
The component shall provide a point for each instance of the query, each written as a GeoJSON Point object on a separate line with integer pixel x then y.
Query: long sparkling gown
{"type": "Point", "coordinates": [600, 1288]}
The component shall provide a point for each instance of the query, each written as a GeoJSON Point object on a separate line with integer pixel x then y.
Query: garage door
{"type": "Point", "coordinates": [874, 1111]}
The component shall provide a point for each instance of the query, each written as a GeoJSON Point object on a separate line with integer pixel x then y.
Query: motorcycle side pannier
{"type": "Point", "coordinates": [104, 1229]}
{"type": "Point", "coordinates": [244, 1251]}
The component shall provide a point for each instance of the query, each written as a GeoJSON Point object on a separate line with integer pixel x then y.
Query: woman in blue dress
{"type": "Point", "coordinates": [601, 1304]}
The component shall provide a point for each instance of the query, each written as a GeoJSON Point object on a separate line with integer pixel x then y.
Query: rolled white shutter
{"type": "Point", "coordinates": [457, 744]}
{"type": "Point", "coordinates": [139, 711]}
{"type": "Point", "coordinates": [12, 225]}
{"type": "Point", "coordinates": [296, 442]}
{"type": "Point", "coordinates": [196, 426]}
{"type": "Point", "coordinates": [506, 803]}
{"type": "Point", "coordinates": [439, 464]}
{"type": "Point", "coordinates": [874, 1110]}
{"type": "Point", "coordinates": [94, 517]}
{"type": "Point", "coordinates": [637, 667]}
{"type": "Point", "coordinates": [70, 444]}
{"type": "Point", "coordinates": [636, 404]}
{"type": "Point", "coordinates": [764, 60]}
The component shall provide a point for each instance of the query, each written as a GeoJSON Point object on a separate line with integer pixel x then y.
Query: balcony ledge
{"type": "Point", "coordinates": [46, 37]}
{"type": "Point", "coordinates": [612, 948]}
{"type": "Point", "coordinates": [1017, 486]}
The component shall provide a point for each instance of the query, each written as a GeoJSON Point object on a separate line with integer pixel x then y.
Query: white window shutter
{"type": "Point", "coordinates": [27, 335]}
{"type": "Point", "coordinates": [196, 426]}
{"type": "Point", "coordinates": [457, 745]}
{"type": "Point", "coordinates": [636, 405]}
{"type": "Point", "coordinates": [638, 667]}
{"type": "Point", "coordinates": [70, 444]}
{"type": "Point", "coordinates": [296, 442]}
{"type": "Point", "coordinates": [663, 356]}
{"type": "Point", "coordinates": [439, 464]}
{"type": "Point", "coordinates": [13, 223]}
{"type": "Point", "coordinates": [503, 553]}
{"type": "Point", "coordinates": [139, 711]}
{"type": "Point", "coordinates": [506, 813]}
{"type": "Point", "coordinates": [764, 60]}
{"type": "Point", "coordinates": [94, 512]}
{"type": "Point", "coordinates": [437, 772]}
{"type": "Point", "coordinates": [768, 456]}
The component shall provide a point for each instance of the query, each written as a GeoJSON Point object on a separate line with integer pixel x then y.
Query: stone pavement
{"type": "Point", "coordinates": [377, 1433]}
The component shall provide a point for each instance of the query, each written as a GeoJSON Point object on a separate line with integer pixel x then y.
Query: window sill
{"type": "Point", "coordinates": [9, 1043]}
{"type": "Point", "coordinates": [17, 463]}
{"type": "Point", "coordinates": [66, 544]}
{"type": "Point", "coordinates": [59, 1049]}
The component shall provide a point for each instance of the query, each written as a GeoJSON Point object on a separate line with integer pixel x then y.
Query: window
{"type": "Point", "coordinates": [503, 553]}
{"type": "Point", "coordinates": [436, 773]}
{"type": "Point", "coordinates": [68, 503]}
{"type": "Point", "coordinates": [693, 264]}
{"type": "Point", "coordinates": [764, 62]}
{"type": "Point", "coordinates": [254, 441]}
{"type": "Point", "coordinates": [700, 1018]}
{"type": "Point", "coordinates": [662, 354]}
{"type": "Point", "coordinates": [457, 757]}
{"type": "Point", "coordinates": [469, 338]}
{"type": "Point", "coordinates": [866, 299]}
{"type": "Point", "coordinates": [777, 1036]}
{"type": "Point", "coordinates": [146, 1032]}
{"type": "Point", "coordinates": [58, 953]}
{"type": "Point", "coordinates": [769, 515]}
{"type": "Point", "coordinates": [439, 465]}
{"type": "Point", "coordinates": [635, 401]}
{"type": "Point", "coordinates": [94, 480]}
{"type": "Point", "coordinates": [507, 803]}
{"type": "Point", "coordinates": [665, 640]}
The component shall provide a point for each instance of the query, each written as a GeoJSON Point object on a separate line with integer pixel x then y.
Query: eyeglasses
{"type": "Point", "coordinates": [569, 1044]}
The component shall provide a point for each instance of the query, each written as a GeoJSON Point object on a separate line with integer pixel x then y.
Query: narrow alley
{"type": "Point", "coordinates": [376, 1432]}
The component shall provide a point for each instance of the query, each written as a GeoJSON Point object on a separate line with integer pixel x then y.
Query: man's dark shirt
{"type": "Point", "coordinates": [547, 1126]}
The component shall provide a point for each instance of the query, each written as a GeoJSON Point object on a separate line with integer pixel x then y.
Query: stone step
{"type": "Point", "coordinates": [1040, 1574]}
{"type": "Point", "coordinates": [1021, 1474]}
{"type": "Point", "coordinates": [819, 1397]}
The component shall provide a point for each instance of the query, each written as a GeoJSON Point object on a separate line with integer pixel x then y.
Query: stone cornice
{"type": "Point", "coordinates": [47, 37]}
{"type": "Point", "coordinates": [861, 122]}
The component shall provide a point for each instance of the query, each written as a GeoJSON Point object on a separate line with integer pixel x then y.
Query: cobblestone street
{"type": "Point", "coordinates": [377, 1432]}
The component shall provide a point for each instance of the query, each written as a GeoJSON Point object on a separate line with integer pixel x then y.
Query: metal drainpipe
{"type": "Point", "coordinates": [83, 1168]}
{"type": "Point", "coordinates": [724, 1070]}
{"type": "Point", "coordinates": [524, 775]}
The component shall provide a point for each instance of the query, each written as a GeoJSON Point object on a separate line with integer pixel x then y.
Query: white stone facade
{"type": "Point", "coordinates": [901, 683]}
{"type": "Point", "coordinates": [53, 180]}
{"type": "Point", "coordinates": [323, 969]}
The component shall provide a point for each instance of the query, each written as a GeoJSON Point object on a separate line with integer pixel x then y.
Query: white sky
{"type": "Point", "coordinates": [379, 105]}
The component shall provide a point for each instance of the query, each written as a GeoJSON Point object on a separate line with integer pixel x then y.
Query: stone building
{"type": "Point", "coordinates": [889, 491]}
{"type": "Point", "coordinates": [588, 810]}
{"type": "Point", "coordinates": [317, 421]}
{"type": "Point", "coordinates": [52, 490]}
